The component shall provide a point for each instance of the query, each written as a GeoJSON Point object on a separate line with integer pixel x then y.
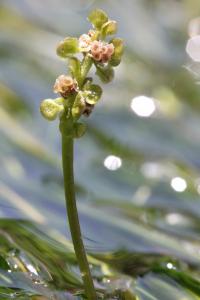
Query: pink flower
{"type": "Point", "coordinates": [102, 51]}
{"type": "Point", "coordinates": [110, 49]}
{"type": "Point", "coordinates": [96, 47]}
{"type": "Point", "coordinates": [64, 85]}
{"type": "Point", "coordinates": [97, 56]}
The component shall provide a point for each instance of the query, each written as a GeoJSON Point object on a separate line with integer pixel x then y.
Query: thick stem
{"type": "Point", "coordinates": [67, 159]}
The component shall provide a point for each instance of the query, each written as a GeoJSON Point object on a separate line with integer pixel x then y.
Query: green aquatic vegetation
{"type": "Point", "coordinates": [78, 97]}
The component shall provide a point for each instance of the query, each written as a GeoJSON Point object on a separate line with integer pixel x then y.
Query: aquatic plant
{"type": "Point", "coordinates": [78, 97]}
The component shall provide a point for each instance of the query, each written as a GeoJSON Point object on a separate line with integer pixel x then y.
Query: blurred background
{"type": "Point", "coordinates": [138, 166]}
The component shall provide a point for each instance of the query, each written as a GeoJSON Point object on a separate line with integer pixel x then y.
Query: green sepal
{"type": "Point", "coordinates": [75, 68]}
{"type": "Point", "coordinates": [97, 17]}
{"type": "Point", "coordinates": [79, 130]}
{"type": "Point", "coordinates": [50, 109]}
{"type": "Point", "coordinates": [94, 93]}
{"type": "Point", "coordinates": [68, 47]}
{"type": "Point", "coordinates": [118, 52]}
{"type": "Point", "coordinates": [105, 73]}
{"type": "Point", "coordinates": [78, 106]}
{"type": "Point", "coordinates": [109, 28]}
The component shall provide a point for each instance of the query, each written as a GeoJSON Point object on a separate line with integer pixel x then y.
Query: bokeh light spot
{"type": "Point", "coordinates": [193, 48]}
{"type": "Point", "coordinates": [112, 162]}
{"type": "Point", "coordinates": [143, 106]}
{"type": "Point", "coordinates": [178, 184]}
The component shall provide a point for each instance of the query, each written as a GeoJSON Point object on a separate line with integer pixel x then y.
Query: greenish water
{"type": "Point", "coordinates": [140, 224]}
{"type": "Point", "coordinates": [34, 265]}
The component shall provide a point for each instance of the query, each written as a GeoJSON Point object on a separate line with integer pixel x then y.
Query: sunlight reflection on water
{"type": "Point", "coordinates": [112, 162]}
{"type": "Point", "coordinates": [193, 48]}
{"type": "Point", "coordinates": [194, 27]}
{"type": "Point", "coordinates": [143, 106]}
{"type": "Point", "coordinates": [178, 184]}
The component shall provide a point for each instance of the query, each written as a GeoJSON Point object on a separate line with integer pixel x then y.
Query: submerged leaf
{"type": "Point", "coordinates": [3, 263]}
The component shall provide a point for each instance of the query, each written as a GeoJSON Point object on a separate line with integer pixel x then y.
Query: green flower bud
{"type": "Point", "coordinates": [109, 28]}
{"type": "Point", "coordinates": [60, 101]}
{"type": "Point", "coordinates": [50, 109]}
{"type": "Point", "coordinates": [105, 73]}
{"type": "Point", "coordinates": [79, 130]}
{"type": "Point", "coordinates": [119, 49]}
{"type": "Point", "coordinates": [98, 17]}
{"type": "Point", "coordinates": [68, 47]}
{"type": "Point", "coordinates": [93, 95]}
{"type": "Point", "coordinates": [79, 105]}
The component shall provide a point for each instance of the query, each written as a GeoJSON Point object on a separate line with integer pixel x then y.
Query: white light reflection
{"type": "Point", "coordinates": [152, 170]}
{"type": "Point", "coordinates": [198, 189]}
{"type": "Point", "coordinates": [178, 184]}
{"type": "Point", "coordinates": [141, 195]}
{"type": "Point", "coordinates": [193, 48]}
{"type": "Point", "coordinates": [174, 219]}
{"type": "Point", "coordinates": [170, 266]}
{"type": "Point", "coordinates": [32, 269]}
{"type": "Point", "coordinates": [112, 162]}
{"type": "Point", "coordinates": [143, 106]}
{"type": "Point", "coordinates": [197, 185]}
{"type": "Point", "coordinates": [194, 27]}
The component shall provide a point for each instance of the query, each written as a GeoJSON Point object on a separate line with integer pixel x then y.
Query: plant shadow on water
{"type": "Point", "coordinates": [140, 224]}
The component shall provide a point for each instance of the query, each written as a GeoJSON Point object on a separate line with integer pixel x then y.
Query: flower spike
{"type": "Point", "coordinates": [97, 51]}
{"type": "Point", "coordinates": [78, 97]}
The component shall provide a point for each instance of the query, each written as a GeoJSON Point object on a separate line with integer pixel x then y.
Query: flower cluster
{"type": "Point", "coordinates": [78, 93]}
{"type": "Point", "coordinates": [100, 51]}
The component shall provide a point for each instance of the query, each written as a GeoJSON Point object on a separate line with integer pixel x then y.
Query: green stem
{"type": "Point", "coordinates": [85, 67]}
{"type": "Point", "coordinates": [67, 159]}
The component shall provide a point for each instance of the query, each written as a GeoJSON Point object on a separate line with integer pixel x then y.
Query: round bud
{"type": "Point", "coordinates": [50, 109]}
